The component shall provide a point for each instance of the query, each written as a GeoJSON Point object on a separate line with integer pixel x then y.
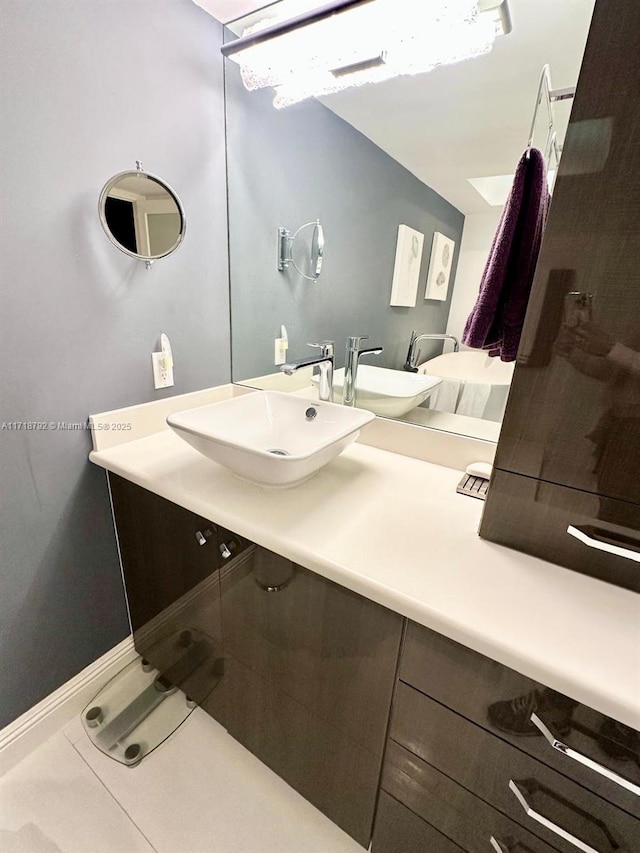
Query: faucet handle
{"type": "Point", "coordinates": [325, 346]}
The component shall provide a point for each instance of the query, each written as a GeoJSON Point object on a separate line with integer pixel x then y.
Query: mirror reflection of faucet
{"type": "Point", "coordinates": [413, 353]}
{"type": "Point", "coordinates": [351, 362]}
{"type": "Point", "coordinates": [325, 363]}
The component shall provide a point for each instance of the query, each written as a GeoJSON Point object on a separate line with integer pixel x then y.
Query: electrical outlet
{"type": "Point", "coordinates": [162, 369]}
{"type": "Point", "coordinates": [280, 350]}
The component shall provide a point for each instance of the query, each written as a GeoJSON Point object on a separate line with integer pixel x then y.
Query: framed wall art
{"type": "Point", "coordinates": [442, 249]}
{"type": "Point", "coordinates": [406, 270]}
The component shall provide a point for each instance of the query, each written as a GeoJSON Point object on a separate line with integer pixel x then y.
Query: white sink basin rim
{"type": "Point", "coordinates": [270, 437]}
{"type": "Point", "coordinates": [387, 392]}
{"type": "Point", "coordinates": [470, 366]}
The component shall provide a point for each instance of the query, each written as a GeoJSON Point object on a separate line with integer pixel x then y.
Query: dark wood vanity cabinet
{"type": "Point", "coordinates": [302, 672]}
{"type": "Point", "coordinates": [467, 761]}
{"type": "Point", "coordinates": [569, 450]}
{"type": "Point", "coordinates": [298, 669]}
{"type": "Point", "coordinates": [399, 830]}
{"type": "Point", "coordinates": [535, 516]}
{"type": "Point", "coordinates": [171, 560]}
{"type": "Point", "coordinates": [309, 674]}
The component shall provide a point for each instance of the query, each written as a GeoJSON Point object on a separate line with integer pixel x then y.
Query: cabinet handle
{"type": "Point", "coordinates": [583, 759]}
{"type": "Point", "coordinates": [225, 551]}
{"type": "Point", "coordinates": [498, 846]}
{"type": "Point", "coordinates": [544, 821]}
{"type": "Point", "coordinates": [603, 540]}
{"type": "Point", "coordinates": [203, 537]}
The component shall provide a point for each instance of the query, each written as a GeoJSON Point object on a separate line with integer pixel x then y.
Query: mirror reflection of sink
{"type": "Point", "coordinates": [386, 392]}
{"type": "Point", "coordinates": [474, 384]}
{"type": "Point", "coordinates": [269, 437]}
{"type": "Point", "coordinates": [470, 366]}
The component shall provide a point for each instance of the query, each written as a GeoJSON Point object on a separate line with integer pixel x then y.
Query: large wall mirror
{"type": "Point", "coordinates": [435, 153]}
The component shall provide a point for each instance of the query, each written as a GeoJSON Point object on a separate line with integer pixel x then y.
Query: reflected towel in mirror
{"type": "Point", "coordinates": [444, 398]}
{"type": "Point", "coordinates": [473, 399]}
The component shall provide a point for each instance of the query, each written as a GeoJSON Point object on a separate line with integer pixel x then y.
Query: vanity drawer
{"type": "Point", "coordinates": [533, 516]}
{"type": "Point", "coordinates": [465, 819]}
{"type": "Point", "coordinates": [490, 694]}
{"type": "Point", "coordinates": [558, 809]}
{"type": "Point", "coordinates": [399, 830]}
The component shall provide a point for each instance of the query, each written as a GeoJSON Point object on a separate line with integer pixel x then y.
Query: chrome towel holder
{"type": "Point", "coordinates": [550, 95]}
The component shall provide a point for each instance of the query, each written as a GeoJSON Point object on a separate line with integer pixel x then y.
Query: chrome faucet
{"type": "Point", "coordinates": [412, 355]}
{"type": "Point", "coordinates": [352, 359]}
{"type": "Point", "coordinates": [325, 364]}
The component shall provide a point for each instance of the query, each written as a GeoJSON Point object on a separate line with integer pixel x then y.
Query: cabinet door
{"type": "Point", "coordinates": [309, 673]}
{"type": "Point", "coordinates": [170, 560]}
{"type": "Point", "coordinates": [573, 415]}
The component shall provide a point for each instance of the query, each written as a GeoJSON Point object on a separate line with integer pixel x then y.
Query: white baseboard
{"type": "Point", "coordinates": [39, 723]}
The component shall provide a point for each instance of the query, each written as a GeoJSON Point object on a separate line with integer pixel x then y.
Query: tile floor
{"type": "Point", "coordinates": [199, 792]}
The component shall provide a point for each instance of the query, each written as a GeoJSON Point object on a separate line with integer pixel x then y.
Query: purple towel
{"type": "Point", "coordinates": [496, 322]}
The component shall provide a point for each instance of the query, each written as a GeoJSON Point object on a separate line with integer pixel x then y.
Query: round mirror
{"type": "Point", "coordinates": [142, 215]}
{"type": "Point", "coordinates": [317, 249]}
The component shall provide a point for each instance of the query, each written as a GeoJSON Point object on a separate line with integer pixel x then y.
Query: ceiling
{"type": "Point", "coordinates": [229, 10]}
{"type": "Point", "coordinates": [471, 119]}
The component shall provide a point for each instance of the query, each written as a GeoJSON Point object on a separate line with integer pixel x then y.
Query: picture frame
{"type": "Point", "coordinates": [440, 263]}
{"type": "Point", "coordinates": [406, 269]}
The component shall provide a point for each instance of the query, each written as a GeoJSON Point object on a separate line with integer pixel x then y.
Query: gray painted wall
{"type": "Point", "coordinates": [88, 86]}
{"type": "Point", "coordinates": [286, 167]}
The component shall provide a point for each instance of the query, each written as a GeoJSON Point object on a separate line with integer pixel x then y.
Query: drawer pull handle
{"type": "Point", "coordinates": [544, 821]}
{"type": "Point", "coordinates": [498, 846]}
{"type": "Point", "coordinates": [603, 540]}
{"type": "Point", "coordinates": [583, 759]}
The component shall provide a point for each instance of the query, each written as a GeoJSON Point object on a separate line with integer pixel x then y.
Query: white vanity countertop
{"type": "Point", "coordinates": [393, 529]}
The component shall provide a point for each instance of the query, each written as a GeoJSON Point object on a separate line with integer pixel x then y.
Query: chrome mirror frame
{"type": "Point", "coordinates": [139, 172]}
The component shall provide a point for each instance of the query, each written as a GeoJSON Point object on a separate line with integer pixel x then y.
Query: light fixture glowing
{"type": "Point", "coordinates": [367, 43]}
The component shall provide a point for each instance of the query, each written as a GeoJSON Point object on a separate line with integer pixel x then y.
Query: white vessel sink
{"type": "Point", "coordinates": [386, 392]}
{"type": "Point", "coordinates": [269, 437]}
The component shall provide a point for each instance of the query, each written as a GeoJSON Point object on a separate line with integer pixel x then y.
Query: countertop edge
{"type": "Point", "coordinates": [583, 689]}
